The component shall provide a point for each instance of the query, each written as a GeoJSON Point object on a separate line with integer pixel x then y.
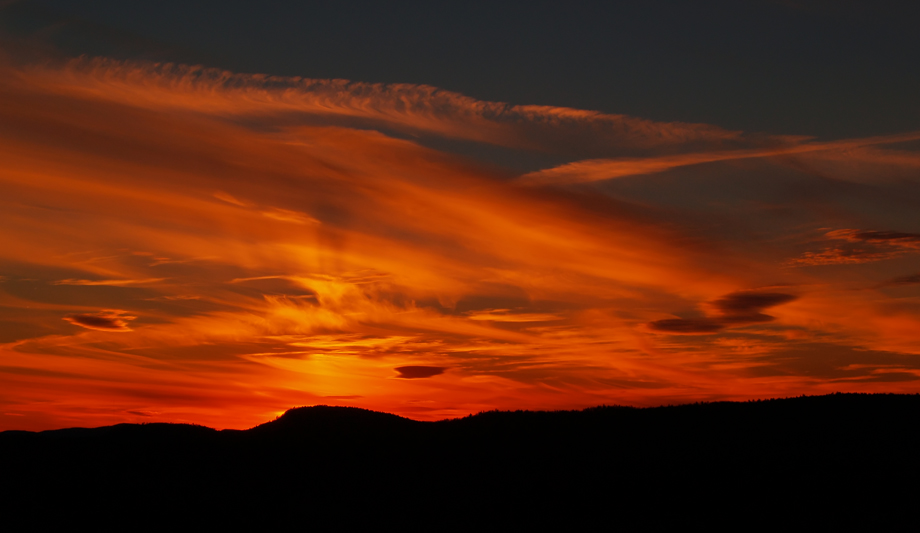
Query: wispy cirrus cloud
{"type": "Point", "coordinates": [840, 256]}
{"type": "Point", "coordinates": [868, 246]}
{"type": "Point", "coordinates": [416, 108]}
{"type": "Point", "coordinates": [290, 240]}
{"type": "Point", "coordinates": [604, 169]}
{"type": "Point", "coordinates": [897, 239]}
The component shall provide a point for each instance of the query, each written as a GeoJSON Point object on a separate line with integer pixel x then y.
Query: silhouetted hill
{"type": "Point", "coordinates": [325, 418]}
{"type": "Point", "coordinates": [341, 463]}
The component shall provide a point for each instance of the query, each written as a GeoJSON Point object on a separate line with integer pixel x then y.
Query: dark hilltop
{"type": "Point", "coordinates": [770, 457]}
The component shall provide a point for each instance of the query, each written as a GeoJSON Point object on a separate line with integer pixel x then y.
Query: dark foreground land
{"type": "Point", "coordinates": [830, 457]}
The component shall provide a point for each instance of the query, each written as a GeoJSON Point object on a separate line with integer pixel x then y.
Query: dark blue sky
{"type": "Point", "coordinates": [828, 69]}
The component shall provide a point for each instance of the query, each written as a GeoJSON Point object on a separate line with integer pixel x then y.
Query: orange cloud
{"type": "Point", "coordinates": [414, 108]}
{"type": "Point", "coordinates": [604, 169]}
{"type": "Point", "coordinates": [877, 246]}
{"type": "Point", "coordinates": [898, 239]}
{"type": "Point", "coordinates": [261, 258]}
{"type": "Point", "coordinates": [108, 282]}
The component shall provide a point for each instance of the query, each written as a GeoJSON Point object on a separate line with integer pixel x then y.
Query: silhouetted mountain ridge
{"type": "Point", "coordinates": [339, 461]}
{"type": "Point", "coordinates": [823, 410]}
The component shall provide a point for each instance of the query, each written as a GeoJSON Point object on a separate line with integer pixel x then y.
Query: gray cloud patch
{"type": "Point", "coordinates": [746, 307]}
{"type": "Point", "coordinates": [837, 362]}
{"type": "Point", "coordinates": [681, 325]}
{"type": "Point", "coordinates": [898, 239]}
{"type": "Point", "coordinates": [416, 372]}
{"type": "Point", "coordinates": [895, 237]}
{"type": "Point", "coordinates": [748, 302]}
{"type": "Point", "coordinates": [838, 256]}
{"type": "Point", "coordinates": [861, 247]}
{"type": "Point", "coordinates": [904, 280]}
{"type": "Point", "coordinates": [737, 308]}
{"type": "Point", "coordinates": [103, 321]}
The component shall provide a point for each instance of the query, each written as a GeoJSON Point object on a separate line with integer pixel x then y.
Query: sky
{"type": "Point", "coordinates": [211, 212]}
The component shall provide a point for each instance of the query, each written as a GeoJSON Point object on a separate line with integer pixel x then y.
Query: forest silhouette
{"type": "Point", "coordinates": [765, 458]}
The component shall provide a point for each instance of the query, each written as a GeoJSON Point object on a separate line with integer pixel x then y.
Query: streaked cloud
{"type": "Point", "coordinates": [505, 315]}
{"type": "Point", "coordinates": [838, 256]}
{"type": "Point", "coordinates": [271, 242]}
{"type": "Point", "coordinates": [891, 238]}
{"type": "Point", "coordinates": [411, 108]}
{"type": "Point", "coordinates": [735, 309]}
{"type": "Point", "coordinates": [604, 169]}
{"type": "Point", "coordinates": [871, 246]}
{"type": "Point", "coordinates": [108, 282]}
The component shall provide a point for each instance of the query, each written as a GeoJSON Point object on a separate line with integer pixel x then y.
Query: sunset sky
{"type": "Point", "coordinates": [214, 212]}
